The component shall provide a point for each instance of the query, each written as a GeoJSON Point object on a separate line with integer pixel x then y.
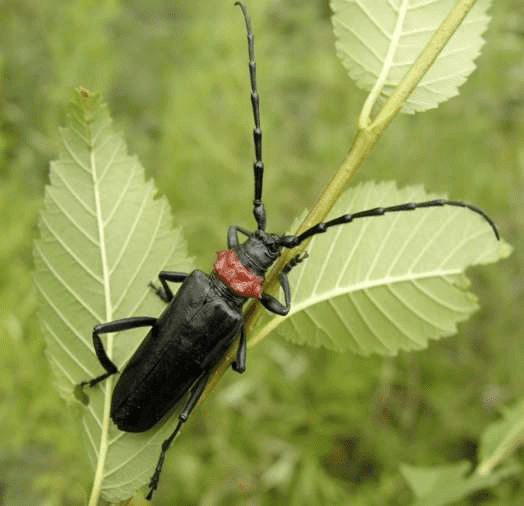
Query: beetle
{"type": "Point", "coordinates": [203, 319]}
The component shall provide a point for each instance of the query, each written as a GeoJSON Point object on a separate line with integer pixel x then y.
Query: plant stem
{"type": "Point", "coordinates": [364, 142]}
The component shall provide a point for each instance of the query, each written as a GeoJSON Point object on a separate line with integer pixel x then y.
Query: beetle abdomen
{"type": "Point", "coordinates": [189, 337]}
{"type": "Point", "coordinates": [143, 409]}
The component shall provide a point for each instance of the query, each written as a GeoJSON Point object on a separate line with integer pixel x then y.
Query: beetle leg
{"type": "Point", "coordinates": [270, 302]}
{"type": "Point", "coordinates": [239, 365]}
{"type": "Point", "coordinates": [115, 326]}
{"type": "Point", "coordinates": [196, 393]}
{"type": "Point", "coordinates": [232, 235]}
{"type": "Point", "coordinates": [175, 277]}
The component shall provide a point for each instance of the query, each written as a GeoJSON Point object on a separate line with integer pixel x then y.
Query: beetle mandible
{"type": "Point", "coordinates": [204, 318]}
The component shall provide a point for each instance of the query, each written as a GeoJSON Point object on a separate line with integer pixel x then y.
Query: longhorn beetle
{"type": "Point", "coordinates": [203, 319]}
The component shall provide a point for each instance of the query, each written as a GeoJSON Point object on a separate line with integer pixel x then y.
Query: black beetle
{"type": "Point", "coordinates": [205, 316]}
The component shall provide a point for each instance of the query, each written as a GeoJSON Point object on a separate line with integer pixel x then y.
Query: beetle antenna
{"type": "Point", "coordinates": [258, 167]}
{"type": "Point", "coordinates": [290, 241]}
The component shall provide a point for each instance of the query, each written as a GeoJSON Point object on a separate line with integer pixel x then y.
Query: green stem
{"type": "Point", "coordinates": [365, 140]}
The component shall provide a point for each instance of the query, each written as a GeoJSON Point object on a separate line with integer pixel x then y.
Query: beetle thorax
{"type": "Point", "coordinates": [242, 269]}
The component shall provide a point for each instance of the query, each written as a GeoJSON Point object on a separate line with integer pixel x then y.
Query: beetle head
{"type": "Point", "coordinates": [259, 251]}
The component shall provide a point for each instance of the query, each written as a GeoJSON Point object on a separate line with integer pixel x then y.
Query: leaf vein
{"type": "Point", "coordinates": [58, 365]}
{"type": "Point", "coordinates": [71, 219]}
{"type": "Point", "coordinates": [145, 255]}
{"type": "Point", "coordinates": [360, 312]}
{"type": "Point", "coordinates": [90, 437]}
{"type": "Point", "coordinates": [74, 156]}
{"type": "Point", "coordinates": [109, 164]}
{"type": "Point", "coordinates": [364, 42]}
{"type": "Point", "coordinates": [76, 296]}
{"type": "Point", "coordinates": [68, 352]}
{"type": "Point", "coordinates": [374, 20]}
{"type": "Point", "coordinates": [381, 309]}
{"type": "Point", "coordinates": [120, 198]}
{"type": "Point", "coordinates": [58, 312]}
{"type": "Point", "coordinates": [396, 292]}
{"type": "Point", "coordinates": [69, 251]}
{"type": "Point", "coordinates": [75, 195]}
{"type": "Point", "coordinates": [340, 291]}
{"type": "Point", "coordinates": [442, 303]}
{"type": "Point", "coordinates": [125, 243]}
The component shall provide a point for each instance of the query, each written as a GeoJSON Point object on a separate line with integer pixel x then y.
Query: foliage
{"type": "Point", "coordinates": [438, 486]}
{"type": "Point", "coordinates": [379, 41]}
{"type": "Point", "coordinates": [441, 485]}
{"type": "Point", "coordinates": [388, 284]}
{"type": "Point", "coordinates": [103, 237]}
{"type": "Point", "coordinates": [502, 438]}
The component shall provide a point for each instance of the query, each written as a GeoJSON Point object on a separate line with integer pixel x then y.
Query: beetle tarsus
{"type": "Point", "coordinates": [295, 261]}
{"type": "Point", "coordinates": [153, 482]}
{"type": "Point", "coordinates": [159, 292]}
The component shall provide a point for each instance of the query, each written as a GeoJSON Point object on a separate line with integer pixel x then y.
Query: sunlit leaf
{"type": "Point", "coordinates": [379, 40]}
{"type": "Point", "coordinates": [103, 236]}
{"type": "Point", "coordinates": [388, 283]}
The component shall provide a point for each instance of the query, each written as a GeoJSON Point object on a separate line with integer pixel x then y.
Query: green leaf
{"type": "Point", "coordinates": [103, 237]}
{"type": "Point", "coordinates": [388, 283]}
{"type": "Point", "coordinates": [379, 40]}
{"type": "Point", "coordinates": [441, 485]}
{"type": "Point", "coordinates": [502, 438]}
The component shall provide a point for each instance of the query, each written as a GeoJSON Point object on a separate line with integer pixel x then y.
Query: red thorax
{"type": "Point", "coordinates": [237, 277]}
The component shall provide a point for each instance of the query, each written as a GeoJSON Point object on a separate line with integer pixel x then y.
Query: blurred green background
{"type": "Point", "coordinates": [303, 426]}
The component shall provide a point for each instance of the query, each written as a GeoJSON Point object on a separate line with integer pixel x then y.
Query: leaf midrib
{"type": "Point", "coordinates": [108, 386]}
{"type": "Point", "coordinates": [340, 291]}
{"type": "Point", "coordinates": [366, 284]}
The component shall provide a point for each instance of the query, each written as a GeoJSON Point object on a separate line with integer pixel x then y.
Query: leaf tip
{"type": "Point", "coordinates": [84, 104]}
